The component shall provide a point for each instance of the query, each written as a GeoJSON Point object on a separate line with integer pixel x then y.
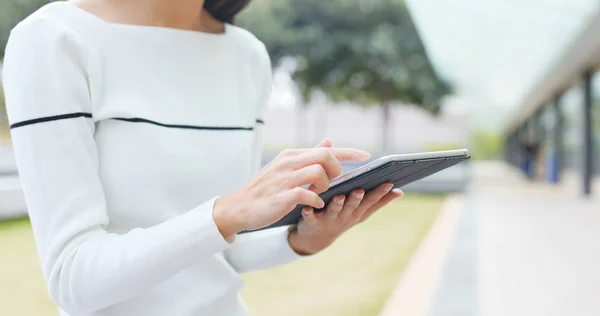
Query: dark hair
{"type": "Point", "coordinates": [225, 10]}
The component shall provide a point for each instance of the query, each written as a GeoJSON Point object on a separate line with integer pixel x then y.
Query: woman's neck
{"type": "Point", "coordinates": [179, 14]}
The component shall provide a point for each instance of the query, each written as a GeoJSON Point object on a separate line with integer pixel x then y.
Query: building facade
{"type": "Point", "coordinates": [556, 133]}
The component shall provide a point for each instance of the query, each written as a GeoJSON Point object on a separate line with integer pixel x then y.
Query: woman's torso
{"type": "Point", "coordinates": [174, 113]}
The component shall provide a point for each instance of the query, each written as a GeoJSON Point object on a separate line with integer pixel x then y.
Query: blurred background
{"type": "Point", "coordinates": [516, 231]}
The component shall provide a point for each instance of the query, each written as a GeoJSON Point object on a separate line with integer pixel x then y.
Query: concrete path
{"type": "Point", "coordinates": [416, 290]}
{"type": "Point", "coordinates": [538, 245]}
{"type": "Point", "coordinates": [521, 248]}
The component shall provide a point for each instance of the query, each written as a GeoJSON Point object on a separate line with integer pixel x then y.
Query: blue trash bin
{"type": "Point", "coordinates": [553, 168]}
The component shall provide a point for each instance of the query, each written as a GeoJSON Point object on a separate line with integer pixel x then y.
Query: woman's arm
{"type": "Point", "coordinates": [263, 249]}
{"type": "Point", "coordinates": [273, 247]}
{"type": "Point", "coordinates": [268, 248]}
{"type": "Point", "coordinates": [47, 87]}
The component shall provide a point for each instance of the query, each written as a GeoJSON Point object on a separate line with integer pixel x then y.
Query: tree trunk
{"type": "Point", "coordinates": [321, 124]}
{"type": "Point", "coordinates": [301, 126]}
{"type": "Point", "coordinates": [385, 141]}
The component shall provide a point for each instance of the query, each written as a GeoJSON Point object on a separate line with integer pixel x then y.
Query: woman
{"type": "Point", "coordinates": [135, 125]}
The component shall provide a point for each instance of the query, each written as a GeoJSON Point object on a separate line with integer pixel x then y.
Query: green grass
{"type": "Point", "coordinates": [22, 289]}
{"type": "Point", "coordinates": [4, 135]}
{"type": "Point", "coordinates": [352, 277]}
{"type": "Point", "coordinates": [355, 275]}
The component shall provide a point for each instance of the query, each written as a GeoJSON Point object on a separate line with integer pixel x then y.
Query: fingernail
{"type": "Point", "coordinates": [321, 203]}
{"type": "Point", "coordinates": [387, 186]}
{"type": "Point", "coordinates": [306, 211]}
{"type": "Point", "coordinates": [365, 154]}
{"type": "Point", "coordinates": [359, 195]}
{"type": "Point", "coordinates": [339, 200]}
{"type": "Point", "coordinates": [398, 191]}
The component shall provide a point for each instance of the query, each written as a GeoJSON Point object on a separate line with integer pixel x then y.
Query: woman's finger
{"type": "Point", "coordinates": [326, 142]}
{"type": "Point", "coordinates": [392, 195]}
{"type": "Point", "coordinates": [346, 154]}
{"type": "Point", "coordinates": [314, 175]}
{"type": "Point", "coordinates": [352, 202]}
{"type": "Point", "coordinates": [373, 197]}
{"type": "Point", "coordinates": [329, 158]}
{"type": "Point", "coordinates": [318, 156]}
{"type": "Point", "coordinates": [335, 206]}
{"type": "Point", "coordinates": [350, 154]}
{"type": "Point", "coordinates": [299, 195]}
{"type": "Point", "coordinates": [309, 216]}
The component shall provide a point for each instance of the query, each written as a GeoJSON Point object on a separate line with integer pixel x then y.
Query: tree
{"type": "Point", "coordinates": [486, 145]}
{"type": "Point", "coordinates": [366, 52]}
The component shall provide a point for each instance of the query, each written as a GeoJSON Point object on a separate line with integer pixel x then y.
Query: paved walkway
{"type": "Point", "coordinates": [520, 249]}
{"type": "Point", "coordinates": [416, 289]}
{"type": "Point", "coordinates": [538, 247]}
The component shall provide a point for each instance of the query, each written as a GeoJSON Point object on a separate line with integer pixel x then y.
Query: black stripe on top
{"type": "Point", "coordinates": [134, 120]}
{"type": "Point", "coordinates": [50, 118]}
{"type": "Point", "coordinates": [211, 128]}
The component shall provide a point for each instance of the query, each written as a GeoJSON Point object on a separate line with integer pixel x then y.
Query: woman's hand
{"type": "Point", "coordinates": [316, 231]}
{"type": "Point", "coordinates": [277, 189]}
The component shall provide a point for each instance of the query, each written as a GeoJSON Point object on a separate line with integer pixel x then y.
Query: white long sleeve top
{"type": "Point", "coordinates": [124, 136]}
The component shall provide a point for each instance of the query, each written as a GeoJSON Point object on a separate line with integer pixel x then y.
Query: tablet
{"type": "Point", "coordinates": [398, 169]}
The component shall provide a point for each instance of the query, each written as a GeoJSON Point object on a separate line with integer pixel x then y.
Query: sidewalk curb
{"type": "Point", "coordinates": [417, 288]}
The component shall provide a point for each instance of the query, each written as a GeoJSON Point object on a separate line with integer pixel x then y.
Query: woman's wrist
{"type": "Point", "coordinates": [299, 244]}
{"type": "Point", "coordinates": [226, 220]}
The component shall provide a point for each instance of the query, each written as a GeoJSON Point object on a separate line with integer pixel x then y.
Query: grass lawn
{"type": "Point", "coordinates": [353, 277]}
{"type": "Point", "coordinates": [22, 289]}
{"type": "Point", "coordinates": [4, 135]}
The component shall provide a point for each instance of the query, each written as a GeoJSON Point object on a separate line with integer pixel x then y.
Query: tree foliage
{"type": "Point", "coordinates": [354, 50]}
{"type": "Point", "coordinates": [363, 51]}
{"type": "Point", "coordinates": [486, 145]}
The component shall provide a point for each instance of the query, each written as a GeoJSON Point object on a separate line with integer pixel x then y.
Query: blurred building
{"type": "Point", "coordinates": [412, 129]}
{"type": "Point", "coordinates": [562, 115]}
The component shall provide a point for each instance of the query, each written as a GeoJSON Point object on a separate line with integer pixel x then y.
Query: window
{"type": "Point", "coordinates": [548, 120]}
{"type": "Point", "coordinates": [548, 149]}
{"type": "Point", "coordinates": [596, 122]}
{"type": "Point", "coordinates": [572, 109]}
